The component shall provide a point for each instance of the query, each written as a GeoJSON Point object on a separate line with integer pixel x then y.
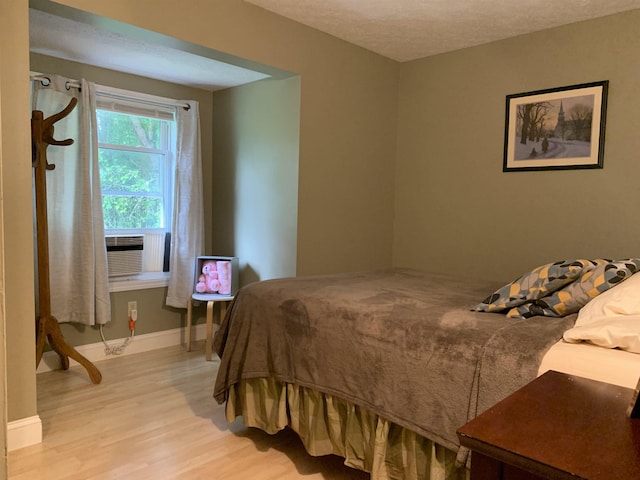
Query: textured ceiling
{"type": "Point", "coordinates": [399, 29]}
{"type": "Point", "coordinates": [80, 42]}
{"type": "Point", "coordinates": [409, 29]}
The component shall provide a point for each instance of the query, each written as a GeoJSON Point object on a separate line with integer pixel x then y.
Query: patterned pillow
{"type": "Point", "coordinates": [603, 275]}
{"type": "Point", "coordinates": [533, 285]}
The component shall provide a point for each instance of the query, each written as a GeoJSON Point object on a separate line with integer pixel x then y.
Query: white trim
{"type": "Point", "coordinates": [95, 352]}
{"type": "Point", "coordinates": [128, 95]}
{"type": "Point", "coordinates": [24, 432]}
{"type": "Point", "coordinates": [140, 281]}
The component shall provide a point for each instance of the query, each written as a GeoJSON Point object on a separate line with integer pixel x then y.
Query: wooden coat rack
{"type": "Point", "coordinates": [47, 327]}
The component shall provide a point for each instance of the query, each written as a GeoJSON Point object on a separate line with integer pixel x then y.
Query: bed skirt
{"type": "Point", "coordinates": [329, 425]}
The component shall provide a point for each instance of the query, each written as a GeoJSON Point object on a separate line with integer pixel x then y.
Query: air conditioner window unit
{"type": "Point", "coordinates": [125, 254]}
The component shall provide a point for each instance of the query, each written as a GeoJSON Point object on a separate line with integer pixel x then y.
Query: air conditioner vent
{"type": "Point", "coordinates": [125, 254]}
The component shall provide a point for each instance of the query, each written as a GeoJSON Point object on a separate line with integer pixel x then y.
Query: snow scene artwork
{"type": "Point", "coordinates": [559, 128]}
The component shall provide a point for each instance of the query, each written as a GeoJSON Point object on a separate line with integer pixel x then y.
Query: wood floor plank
{"type": "Point", "coordinates": [154, 416]}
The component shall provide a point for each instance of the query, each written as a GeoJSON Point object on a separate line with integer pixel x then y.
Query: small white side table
{"type": "Point", "coordinates": [211, 299]}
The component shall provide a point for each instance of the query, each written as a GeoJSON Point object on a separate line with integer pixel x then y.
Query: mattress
{"type": "Point", "coordinates": [400, 342]}
{"type": "Point", "coordinates": [610, 365]}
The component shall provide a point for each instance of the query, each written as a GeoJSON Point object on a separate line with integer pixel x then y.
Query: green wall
{"type": "Point", "coordinates": [16, 298]}
{"type": "Point", "coordinates": [256, 147]}
{"type": "Point", "coordinates": [457, 211]}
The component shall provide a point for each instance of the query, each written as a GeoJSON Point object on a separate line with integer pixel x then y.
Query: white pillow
{"type": "Point", "coordinates": [612, 319]}
{"type": "Point", "coordinates": [623, 299]}
{"type": "Point", "coordinates": [613, 332]}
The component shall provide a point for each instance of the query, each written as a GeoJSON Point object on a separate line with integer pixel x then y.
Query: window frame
{"type": "Point", "coordinates": [135, 103]}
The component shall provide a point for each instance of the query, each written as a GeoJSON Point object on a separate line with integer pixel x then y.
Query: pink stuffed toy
{"type": "Point", "coordinates": [224, 275]}
{"type": "Point", "coordinates": [213, 284]}
{"type": "Point", "coordinates": [209, 266]}
{"type": "Point", "coordinates": [201, 286]}
{"type": "Point", "coordinates": [215, 277]}
{"type": "Point", "coordinates": [208, 282]}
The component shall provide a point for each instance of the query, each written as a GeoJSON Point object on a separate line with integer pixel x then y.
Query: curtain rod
{"type": "Point", "coordinates": [46, 81]}
{"type": "Point", "coordinates": [69, 84]}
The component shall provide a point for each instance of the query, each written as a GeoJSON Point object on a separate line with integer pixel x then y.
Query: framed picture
{"type": "Point", "coordinates": [556, 129]}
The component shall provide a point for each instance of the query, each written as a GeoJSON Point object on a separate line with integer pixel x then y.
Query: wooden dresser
{"type": "Point", "coordinates": [559, 426]}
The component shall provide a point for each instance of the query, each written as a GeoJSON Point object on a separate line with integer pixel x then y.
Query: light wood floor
{"type": "Point", "coordinates": [154, 417]}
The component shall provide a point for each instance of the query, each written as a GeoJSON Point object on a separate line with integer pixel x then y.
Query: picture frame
{"type": "Point", "coordinates": [556, 129]}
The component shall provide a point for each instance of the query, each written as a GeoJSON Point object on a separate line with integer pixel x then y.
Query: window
{"type": "Point", "coordinates": [136, 150]}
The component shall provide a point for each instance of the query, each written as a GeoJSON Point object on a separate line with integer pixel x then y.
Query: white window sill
{"type": "Point", "coordinates": [140, 281]}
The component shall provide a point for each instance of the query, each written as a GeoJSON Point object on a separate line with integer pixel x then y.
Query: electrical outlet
{"type": "Point", "coordinates": [131, 306]}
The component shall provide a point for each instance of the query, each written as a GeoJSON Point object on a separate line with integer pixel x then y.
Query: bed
{"type": "Point", "coordinates": [382, 367]}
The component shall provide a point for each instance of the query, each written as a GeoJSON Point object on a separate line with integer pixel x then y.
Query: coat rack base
{"type": "Point", "coordinates": [48, 330]}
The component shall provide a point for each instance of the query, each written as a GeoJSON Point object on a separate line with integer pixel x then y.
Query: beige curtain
{"type": "Point", "coordinates": [187, 231]}
{"type": "Point", "coordinates": [77, 252]}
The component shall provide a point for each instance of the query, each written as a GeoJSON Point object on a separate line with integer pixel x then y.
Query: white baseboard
{"type": "Point", "coordinates": [95, 352]}
{"type": "Point", "coordinates": [28, 431]}
{"type": "Point", "coordinates": [24, 432]}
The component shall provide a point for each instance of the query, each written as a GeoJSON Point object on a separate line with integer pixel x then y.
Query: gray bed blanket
{"type": "Point", "coordinates": [400, 342]}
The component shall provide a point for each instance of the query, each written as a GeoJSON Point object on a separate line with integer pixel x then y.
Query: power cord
{"type": "Point", "coordinates": [118, 349]}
